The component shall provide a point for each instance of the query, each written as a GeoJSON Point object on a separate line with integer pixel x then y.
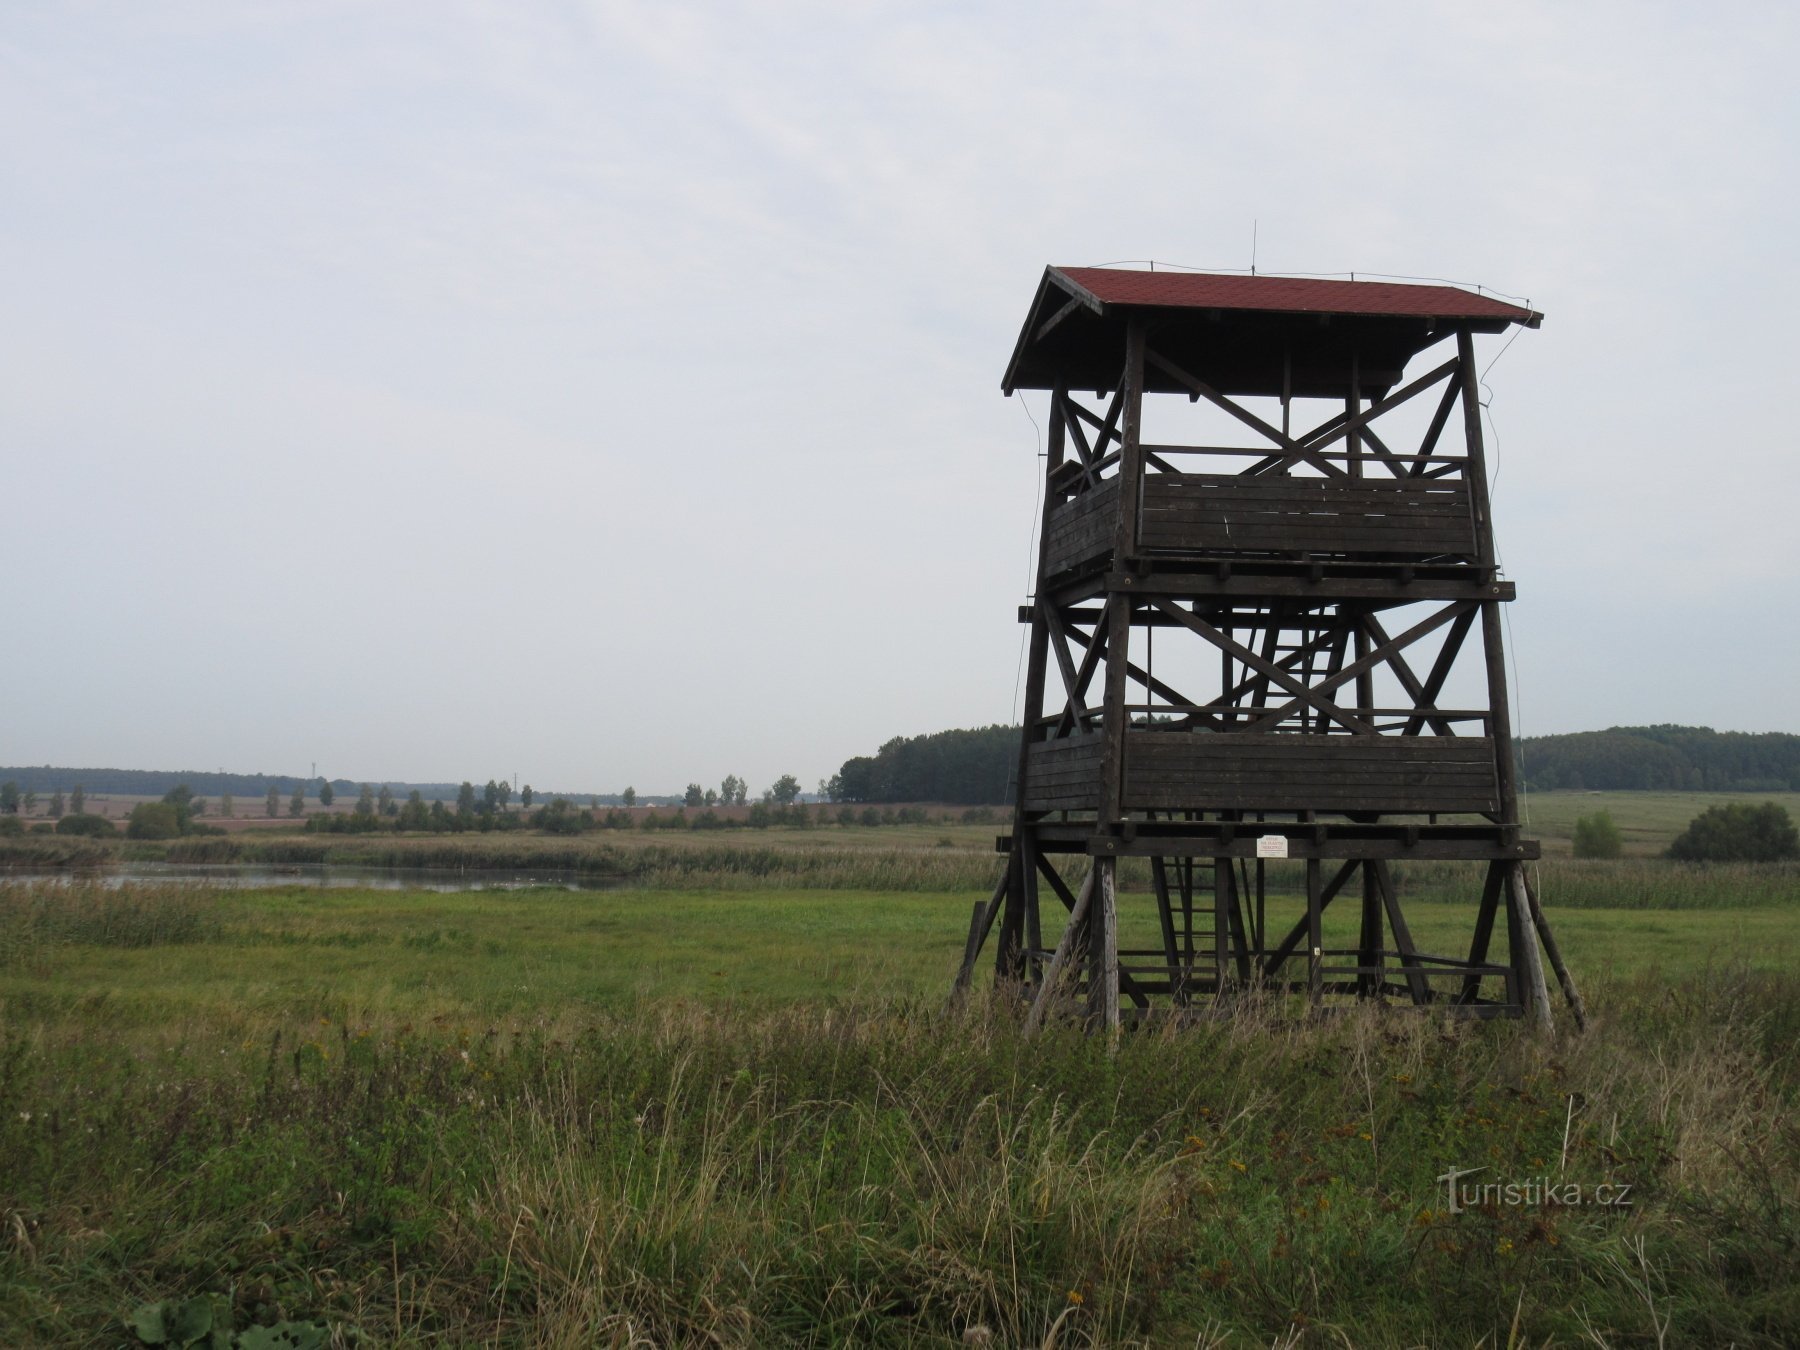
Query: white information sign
{"type": "Point", "coordinates": [1271, 846]}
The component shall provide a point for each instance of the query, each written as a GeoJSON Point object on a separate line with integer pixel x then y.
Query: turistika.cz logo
{"type": "Point", "coordinates": [1532, 1192]}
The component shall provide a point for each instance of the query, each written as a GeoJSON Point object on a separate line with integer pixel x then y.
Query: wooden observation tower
{"type": "Point", "coordinates": [1266, 679]}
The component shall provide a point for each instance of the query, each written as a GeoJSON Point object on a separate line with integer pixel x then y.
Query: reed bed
{"type": "Point", "coordinates": [1620, 883]}
{"type": "Point", "coordinates": [55, 851]}
{"type": "Point", "coordinates": [725, 866]}
{"type": "Point", "coordinates": [34, 918]}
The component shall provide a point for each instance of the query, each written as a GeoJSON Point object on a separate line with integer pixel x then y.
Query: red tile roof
{"type": "Point", "coordinates": [1293, 295]}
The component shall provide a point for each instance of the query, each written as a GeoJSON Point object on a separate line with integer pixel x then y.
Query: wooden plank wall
{"type": "Point", "coordinates": [1081, 529]}
{"type": "Point", "coordinates": [1179, 770]}
{"type": "Point", "coordinates": [1064, 775]}
{"type": "Point", "coordinates": [1190, 512]}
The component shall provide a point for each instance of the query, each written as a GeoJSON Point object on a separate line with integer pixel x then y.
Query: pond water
{"type": "Point", "coordinates": [251, 876]}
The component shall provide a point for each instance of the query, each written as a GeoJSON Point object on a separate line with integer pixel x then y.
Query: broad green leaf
{"type": "Point", "coordinates": [148, 1323]}
{"type": "Point", "coordinates": [285, 1336]}
{"type": "Point", "coordinates": [190, 1320]}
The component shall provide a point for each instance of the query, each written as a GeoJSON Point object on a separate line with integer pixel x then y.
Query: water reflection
{"type": "Point", "coordinates": [326, 876]}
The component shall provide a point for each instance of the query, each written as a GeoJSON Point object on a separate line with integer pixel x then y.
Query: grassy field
{"type": "Point", "coordinates": [683, 1117]}
{"type": "Point", "coordinates": [371, 955]}
{"type": "Point", "coordinates": [1647, 820]}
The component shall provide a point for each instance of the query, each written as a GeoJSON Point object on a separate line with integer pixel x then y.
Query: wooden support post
{"type": "Point", "coordinates": [1072, 938]}
{"type": "Point", "coordinates": [1369, 941]}
{"type": "Point", "coordinates": [1315, 940]}
{"type": "Point", "coordinates": [1240, 937]}
{"type": "Point", "coordinates": [1416, 983]}
{"type": "Point", "coordinates": [1484, 928]}
{"type": "Point", "coordinates": [1221, 927]}
{"type": "Point", "coordinates": [1165, 914]}
{"type": "Point", "coordinates": [1563, 977]}
{"type": "Point", "coordinates": [1522, 933]}
{"type": "Point", "coordinates": [1522, 948]}
{"type": "Point", "coordinates": [1103, 982]}
{"type": "Point", "coordinates": [1009, 965]}
{"type": "Point", "coordinates": [1125, 535]}
{"type": "Point", "coordinates": [1034, 938]}
{"type": "Point", "coordinates": [1020, 930]}
{"type": "Point", "coordinates": [979, 924]}
{"type": "Point", "coordinates": [1299, 932]}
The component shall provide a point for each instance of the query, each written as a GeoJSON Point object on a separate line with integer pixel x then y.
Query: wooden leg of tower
{"type": "Point", "coordinates": [1067, 951]}
{"type": "Point", "coordinates": [1034, 938]}
{"type": "Point", "coordinates": [980, 924]}
{"type": "Point", "coordinates": [1103, 958]}
{"type": "Point", "coordinates": [1368, 950]}
{"type": "Point", "coordinates": [1165, 914]}
{"type": "Point", "coordinates": [1315, 940]}
{"type": "Point", "coordinates": [1551, 950]}
{"type": "Point", "coordinates": [1008, 965]}
{"type": "Point", "coordinates": [1221, 926]}
{"type": "Point", "coordinates": [1484, 930]}
{"type": "Point", "coordinates": [1522, 934]}
{"type": "Point", "coordinates": [1416, 983]}
{"type": "Point", "coordinates": [1240, 937]}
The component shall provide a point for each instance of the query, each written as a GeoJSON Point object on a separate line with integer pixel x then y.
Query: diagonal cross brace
{"type": "Point", "coordinates": [1375, 658]}
{"type": "Point", "coordinates": [1313, 696]}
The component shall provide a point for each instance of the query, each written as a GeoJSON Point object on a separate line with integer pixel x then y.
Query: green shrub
{"type": "Point", "coordinates": [1738, 832]}
{"type": "Point", "coordinates": [1597, 836]}
{"type": "Point", "coordinates": [561, 817]}
{"type": "Point", "coordinates": [93, 827]}
{"type": "Point", "coordinates": [154, 820]}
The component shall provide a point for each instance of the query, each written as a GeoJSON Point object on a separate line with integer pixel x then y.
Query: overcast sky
{"type": "Point", "coordinates": [609, 392]}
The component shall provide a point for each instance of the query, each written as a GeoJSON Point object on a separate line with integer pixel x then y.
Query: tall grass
{"type": "Point", "coordinates": [732, 866]}
{"type": "Point", "coordinates": [890, 1175]}
{"type": "Point", "coordinates": [55, 851]}
{"type": "Point", "coordinates": [35, 918]}
{"type": "Point", "coordinates": [1619, 883]}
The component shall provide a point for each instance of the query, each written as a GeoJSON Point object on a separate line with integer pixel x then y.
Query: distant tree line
{"type": "Point", "coordinates": [1663, 758]}
{"type": "Point", "coordinates": [968, 767]}
{"type": "Point", "coordinates": [562, 816]}
{"type": "Point", "coordinates": [44, 779]}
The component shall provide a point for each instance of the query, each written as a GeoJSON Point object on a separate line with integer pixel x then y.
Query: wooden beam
{"type": "Point", "coordinates": [1440, 668]}
{"type": "Point", "coordinates": [1523, 952]}
{"type": "Point", "coordinates": [1355, 668]}
{"type": "Point", "coordinates": [1057, 884]}
{"type": "Point", "coordinates": [1294, 451]}
{"type": "Point", "coordinates": [1403, 942]}
{"type": "Point", "coordinates": [1049, 325]}
{"type": "Point", "coordinates": [1329, 893]}
{"type": "Point", "coordinates": [1084, 453]}
{"type": "Point", "coordinates": [1059, 959]}
{"type": "Point", "coordinates": [1428, 444]}
{"type": "Point", "coordinates": [1314, 696]}
{"type": "Point", "coordinates": [1103, 991]}
{"type": "Point", "coordinates": [1075, 712]}
{"type": "Point", "coordinates": [1165, 914]}
{"type": "Point", "coordinates": [1564, 978]}
{"type": "Point", "coordinates": [1096, 646]}
{"type": "Point", "coordinates": [980, 924]}
{"type": "Point", "coordinates": [1355, 421]}
{"type": "Point", "coordinates": [1484, 927]}
{"type": "Point", "coordinates": [1404, 673]}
